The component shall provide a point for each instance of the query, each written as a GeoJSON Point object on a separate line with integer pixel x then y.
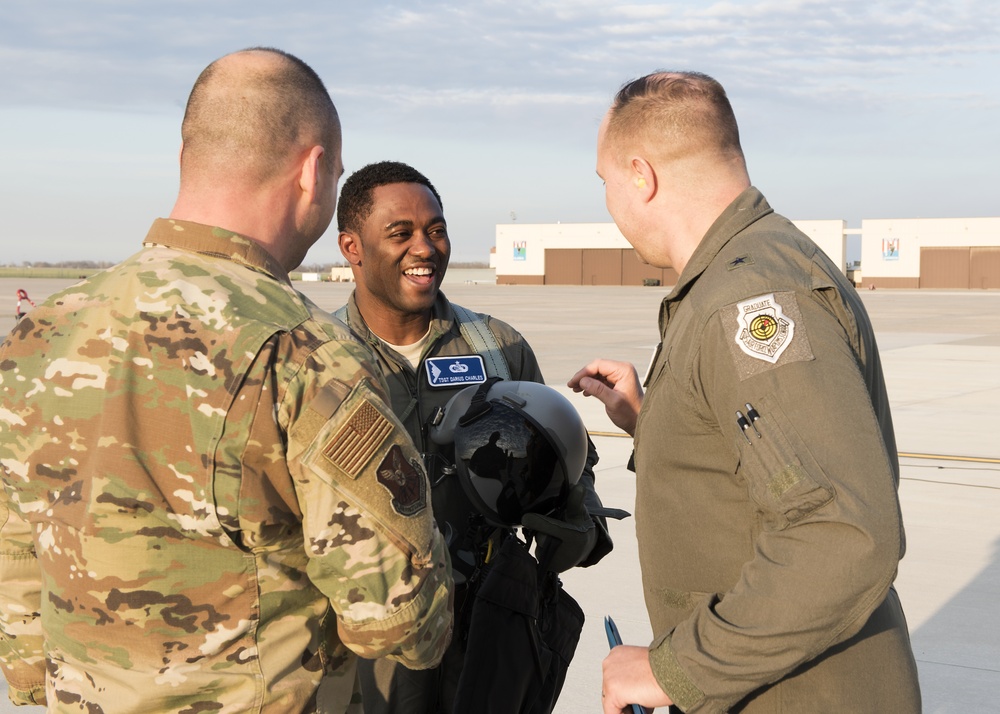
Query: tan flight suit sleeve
{"type": "Point", "coordinates": [822, 483]}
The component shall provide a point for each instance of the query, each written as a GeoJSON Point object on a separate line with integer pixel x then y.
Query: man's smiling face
{"type": "Point", "coordinates": [403, 248]}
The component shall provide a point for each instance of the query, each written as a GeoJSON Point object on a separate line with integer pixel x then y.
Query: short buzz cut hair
{"type": "Point", "coordinates": [675, 114]}
{"type": "Point", "coordinates": [251, 119]}
{"type": "Point", "coordinates": [356, 196]}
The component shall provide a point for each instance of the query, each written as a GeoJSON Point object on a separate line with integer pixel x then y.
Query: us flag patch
{"type": "Point", "coordinates": [356, 442]}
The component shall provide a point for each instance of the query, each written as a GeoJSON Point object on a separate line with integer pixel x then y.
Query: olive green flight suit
{"type": "Point", "coordinates": [394, 689]}
{"type": "Point", "coordinates": [766, 509]}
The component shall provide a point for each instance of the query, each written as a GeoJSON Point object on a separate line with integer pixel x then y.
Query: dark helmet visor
{"type": "Point", "coordinates": [509, 464]}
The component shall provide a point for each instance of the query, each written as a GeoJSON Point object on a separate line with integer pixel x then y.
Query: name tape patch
{"type": "Point", "coordinates": [455, 371]}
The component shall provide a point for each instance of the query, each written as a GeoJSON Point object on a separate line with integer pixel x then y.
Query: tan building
{"type": "Point", "coordinates": [598, 254]}
{"type": "Point", "coordinates": [930, 253]}
{"type": "Point", "coordinates": [961, 253]}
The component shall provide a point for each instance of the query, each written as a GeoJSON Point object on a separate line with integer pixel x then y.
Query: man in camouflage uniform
{"type": "Point", "coordinates": [394, 235]}
{"type": "Point", "coordinates": [207, 503]}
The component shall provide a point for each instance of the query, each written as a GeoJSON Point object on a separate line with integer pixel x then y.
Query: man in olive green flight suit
{"type": "Point", "coordinates": [766, 508]}
{"type": "Point", "coordinates": [394, 235]}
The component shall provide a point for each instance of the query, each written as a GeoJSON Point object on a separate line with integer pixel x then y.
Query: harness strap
{"type": "Point", "coordinates": [479, 336]}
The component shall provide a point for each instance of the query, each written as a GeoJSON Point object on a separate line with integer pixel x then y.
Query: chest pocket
{"type": "Point", "coordinates": [784, 479]}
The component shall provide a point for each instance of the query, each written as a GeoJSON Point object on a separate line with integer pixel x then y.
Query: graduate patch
{"type": "Point", "coordinates": [767, 331]}
{"type": "Point", "coordinates": [763, 330]}
{"type": "Point", "coordinates": [404, 480]}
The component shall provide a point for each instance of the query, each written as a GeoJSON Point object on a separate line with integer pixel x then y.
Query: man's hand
{"type": "Point", "coordinates": [628, 679]}
{"type": "Point", "coordinates": [617, 385]}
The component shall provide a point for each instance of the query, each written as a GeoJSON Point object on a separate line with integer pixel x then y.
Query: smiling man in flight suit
{"type": "Point", "coordinates": [394, 234]}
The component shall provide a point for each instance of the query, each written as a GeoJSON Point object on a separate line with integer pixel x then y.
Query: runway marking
{"type": "Point", "coordinates": [945, 457]}
{"type": "Point", "coordinates": [902, 454]}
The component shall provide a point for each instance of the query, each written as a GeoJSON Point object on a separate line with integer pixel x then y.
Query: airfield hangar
{"type": "Point", "coordinates": [954, 253]}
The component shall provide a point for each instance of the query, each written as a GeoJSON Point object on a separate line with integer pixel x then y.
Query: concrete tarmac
{"type": "Point", "coordinates": [941, 355]}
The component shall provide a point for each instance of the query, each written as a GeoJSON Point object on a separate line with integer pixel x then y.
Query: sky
{"type": "Point", "coordinates": [848, 109]}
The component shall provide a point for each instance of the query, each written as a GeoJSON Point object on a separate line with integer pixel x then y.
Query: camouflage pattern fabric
{"type": "Point", "coordinates": [207, 504]}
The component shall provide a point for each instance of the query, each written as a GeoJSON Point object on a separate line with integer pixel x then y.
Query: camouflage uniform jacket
{"type": "Point", "coordinates": [414, 400]}
{"type": "Point", "coordinates": [207, 505]}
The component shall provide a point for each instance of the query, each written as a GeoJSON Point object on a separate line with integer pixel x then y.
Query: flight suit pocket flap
{"type": "Point", "coordinates": [784, 479]}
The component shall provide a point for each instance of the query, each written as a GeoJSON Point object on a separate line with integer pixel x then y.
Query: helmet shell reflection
{"type": "Point", "coordinates": [519, 452]}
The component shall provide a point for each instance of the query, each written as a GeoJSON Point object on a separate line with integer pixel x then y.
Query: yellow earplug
{"type": "Point", "coordinates": [640, 182]}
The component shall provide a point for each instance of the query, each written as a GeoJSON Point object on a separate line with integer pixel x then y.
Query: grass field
{"type": "Point", "coordinates": [72, 273]}
{"type": "Point", "coordinates": [54, 273]}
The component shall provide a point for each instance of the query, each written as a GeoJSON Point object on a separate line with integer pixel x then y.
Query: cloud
{"type": "Point", "coordinates": [117, 53]}
{"type": "Point", "coordinates": [499, 100]}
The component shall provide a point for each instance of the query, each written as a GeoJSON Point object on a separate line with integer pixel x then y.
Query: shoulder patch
{"type": "Point", "coordinates": [351, 447]}
{"type": "Point", "coordinates": [763, 331]}
{"type": "Point", "coordinates": [766, 332]}
{"type": "Point", "coordinates": [404, 480]}
{"type": "Point", "coordinates": [362, 455]}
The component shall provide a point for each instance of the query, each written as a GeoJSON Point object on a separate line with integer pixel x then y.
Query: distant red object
{"type": "Point", "coordinates": [22, 295]}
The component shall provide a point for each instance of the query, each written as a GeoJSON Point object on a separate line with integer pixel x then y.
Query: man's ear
{"type": "Point", "coordinates": [350, 247]}
{"type": "Point", "coordinates": [309, 173]}
{"type": "Point", "coordinates": [643, 177]}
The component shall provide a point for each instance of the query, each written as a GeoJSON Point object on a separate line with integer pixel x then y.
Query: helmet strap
{"type": "Point", "coordinates": [479, 406]}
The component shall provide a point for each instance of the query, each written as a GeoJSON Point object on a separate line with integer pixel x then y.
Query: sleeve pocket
{"type": "Point", "coordinates": [783, 478]}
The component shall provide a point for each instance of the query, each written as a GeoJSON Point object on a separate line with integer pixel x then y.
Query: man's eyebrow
{"type": "Point", "coordinates": [407, 223]}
